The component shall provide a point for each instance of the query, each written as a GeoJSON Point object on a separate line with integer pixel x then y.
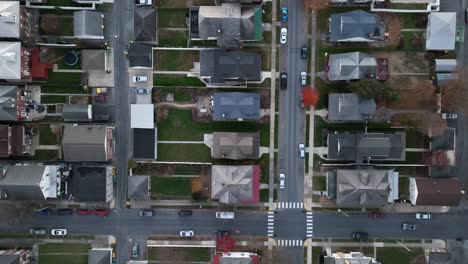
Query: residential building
{"type": "Point", "coordinates": [142, 116]}
{"type": "Point", "coordinates": [98, 65]}
{"type": "Point", "coordinates": [350, 107]}
{"type": "Point", "coordinates": [445, 78]}
{"type": "Point", "coordinates": [351, 66]}
{"type": "Point", "coordinates": [218, 67]}
{"type": "Point", "coordinates": [235, 146]}
{"type": "Point", "coordinates": [16, 256]}
{"type": "Point", "coordinates": [100, 256]}
{"type": "Point", "coordinates": [366, 146]}
{"type": "Point", "coordinates": [229, 24]}
{"type": "Point", "coordinates": [445, 65]}
{"type": "Point", "coordinates": [14, 141]}
{"type": "Point", "coordinates": [363, 187]}
{"type": "Point", "coordinates": [91, 184]}
{"type": "Point", "coordinates": [77, 112]}
{"type": "Point", "coordinates": [30, 182]}
{"type": "Point", "coordinates": [138, 187]}
{"type": "Point", "coordinates": [441, 31]}
{"type": "Point", "coordinates": [349, 258]}
{"type": "Point", "coordinates": [10, 60]}
{"type": "Point", "coordinates": [10, 19]}
{"type": "Point", "coordinates": [20, 103]}
{"type": "Point", "coordinates": [144, 25]}
{"type": "Point", "coordinates": [356, 26]}
{"type": "Point", "coordinates": [87, 143]}
{"type": "Point", "coordinates": [435, 192]}
{"type": "Point", "coordinates": [235, 184]}
{"type": "Point", "coordinates": [236, 258]}
{"type": "Point", "coordinates": [236, 106]}
{"type": "Point", "coordinates": [140, 56]}
{"type": "Point", "coordinates": [88, 24]}
{"type": "Point", "coordinates": [145, 143]}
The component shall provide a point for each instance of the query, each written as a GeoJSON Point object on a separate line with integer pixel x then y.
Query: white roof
{"type": "Point", "coordinates": [10, 60]}
{"type": "Point", "coordinates": [445, 65]}
{"type": "Point", "coordinates": [441, 31]}
{"type": "Point", "coordinates": [142, 116]}
{"type": "Point", "coordinates": [9, 19]}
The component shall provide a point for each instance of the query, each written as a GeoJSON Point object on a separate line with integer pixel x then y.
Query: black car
{"type": "Point", "coordinates": [359, 235]}
{"type": "Point", "coordinates": [283, 80]}
{"type": "Point", "coordinates": [222, 233]}
{"type": "Point", "coordinates": [64, 211]}
{"type": "Point", "coordinates": [185, 213]}
{"type": "Point", "coordinates": [303, 52]}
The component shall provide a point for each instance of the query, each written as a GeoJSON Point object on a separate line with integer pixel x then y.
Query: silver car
{"type": "Point", "coordinates": [284, 36]}
{"type": "Point", "coordinates": [186, 233]}
{"type": "Point", "coordinates": [301, 150]}
{"type": "Point", "coordinates": [303, 78]}
{"type": "Point", "coordinates": [281, 180]}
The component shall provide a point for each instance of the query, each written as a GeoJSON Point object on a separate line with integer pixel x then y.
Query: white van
{"type": "Point", "coordinates": [225, 215]}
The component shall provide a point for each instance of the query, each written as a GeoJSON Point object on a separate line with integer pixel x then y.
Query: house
{"type": "Point", "coordinates": [356, 26]}
{"type": "Point", "coordinates": [235, 146]}
{"type": "Point", "coordinates": [445, 65]}
{"type": "Point", "coordinates": [19, 103]}
{"type": "Point", "coordinates": [363, 187]}
{"type": "Point", "coordinates": [351, 66]}
{"type": "Point", "coordinates": [235, 184]}
{"type": "Point", "coordinates": [435, 192]}
{"type": "Point", "coordinates": [144, 25]}
{"type": "Point", "coordinates": [140, 56]}
{"type": "Point", "coordinates": [91, 184]}
{"type": "Point", "coordinates": [138, 187]}
{"type": "Point", "coordinates": [351, 257]}
{"type": "Point", "coordinates": [29, 182]}
{"type": "Point", "coordinates": [16, 256]}
{"type": "Point", "coordinates": [145, 143]}
{"type": "Point", "coordinates": [87, 143]}
{"type": "Point", "coordinates": [441, 31]}
{"type": "Point", "coordinates": [10, 60]}
{"type": "Point", "coordinates": [77, 113]}
{"type": "Point", "coordinates": [88, 24]}
{"type": "Point", "coordinates": [366, 146]}
{"type": "Point", "coordinates": [98, 65]}
{"type": "Point", "coordinates": [229, 24]}
{"type": "Point", "coordinates": [218, 66]}
{"type": "Point", "coordinates": [10, 19]}
{"type": "Point", "coordinates": [236, 106]}
{"type": "Point", "coordinates": [100, 256]}
{"type": "Point", "coordinates": [235, 258]}
{"type": "Point", "coordinates": [14, 141]}
{"type": "Point", "coordinates": [350, 107]}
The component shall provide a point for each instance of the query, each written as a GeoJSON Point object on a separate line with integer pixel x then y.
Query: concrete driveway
{"type": "Point", "coordinates": [140, 72]}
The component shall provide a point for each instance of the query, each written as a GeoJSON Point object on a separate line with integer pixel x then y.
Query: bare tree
{"type": "Point", "coordinates": [455, 93]}
{"type": "Point", "coordinates": [315, 5]}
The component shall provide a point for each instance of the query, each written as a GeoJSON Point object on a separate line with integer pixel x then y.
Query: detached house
{"type": "Point", "coordinates": [441, 31]}
{"type": "Point", "coordinates": [356, 26]}
{"type": "Point", "coordinates": [9, 19]}
{"type": "Point", "coordinates": [351, 66]}
{"type": "Point", "coordinates": [87, 143]}
{"type": "Point", "coordinates": [235, 146]}
{"type": "Point", "coordinates": [435, 192]}
{"type": "Point", "coordinates": [236, 106]}
{"type": "Point", "coordinates": [350, 107]}
{"type": "Point", "coordinates": [235, 184]}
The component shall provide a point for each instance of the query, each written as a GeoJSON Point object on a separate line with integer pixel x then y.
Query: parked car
{"type": "Point", "coordinates": [304, 52]}
{"type": "Point", "coordinates": [302, 150]}
{"type": "Point", "coordinates": [101, 212]}
{"type": "Point", "coordinates": [59, 232]}
{"type": "Point", "coordinates": [448, 115]}
{"type": "Point", "coordinates": [423, 216]}
{"type": "Point", "coordinates": [284, 36]}
{"type": "Point", "coordinates": [222, 233]}
{"type": "Point", "coordinates": [301, 101]}
{"type": "Point", "coordinates": [140, 78]}
{"type": "Point", "coordinates": [101, 117]}
{"type": "Point", "coordinates": [375, 215]}
{"type": "Point", "coordinates": [43, 212]}
{"type": "Point", "coordinates": [359, 235]}
{"type": "Point", "coordinates": [284, 14]}
{"type": "Point", "coordinates": [64, 211]}
{"type": "Point", "coordinates": [185, 213]}
{"type": "Point", "coordinates": [101, 90]}
{"type": "Point", "coordinates": [466, 15]}
{"type": "Point", "coordinates": [83, 211]}
{"type": "Point", "coordinates": [142, 91]}
{"type": "Point", "coordinates": [143, 2]}
{"type": "Point", "coordinates": [135, 250]}
{"type": "Point", "coordinates": [186, 233]}
{"type": "Point", "coordinates": [37, 231]}
{"type": "Point", "coordinates": [146, 212]}
{"type": "Point", "coordinates": [408, 226]}
{"type": "Point", "coordinates": [225, 215]}
{"type": "Point", "coordinates": [283, 80]}
{"type": "Point", "coordinates": [281, 180]}
{"type": "Point", "coordinates": [303, 78]}
{"type": "Point", "coordinates": [101, 98]}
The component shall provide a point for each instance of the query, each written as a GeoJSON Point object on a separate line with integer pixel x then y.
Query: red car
{"type": "Point", "coordinates": [374, 215]}
{"type": "Point", "coordinates": [101, 212]}
{"type": "Point", "coordinates": [101, 98]}
{"type": "Point", "coordinates": [82, 211]}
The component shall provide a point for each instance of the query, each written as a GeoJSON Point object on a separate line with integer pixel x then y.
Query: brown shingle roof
{"type": "Point", "coordinates": [438, 192]}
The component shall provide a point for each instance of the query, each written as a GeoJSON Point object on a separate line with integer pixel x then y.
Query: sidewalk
{"type": "Point", "coordinates": [150, 203]}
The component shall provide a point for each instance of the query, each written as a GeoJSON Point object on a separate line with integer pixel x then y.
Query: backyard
{"type": "Point", "coordinates": [171, 186]}
{"type": "Point", "coordinates": [53, 253]}
{"type": "Point", "coordinates": [175, 60]}
{"type": "Point", "coordinates": [178, 255]}
{"type": "Point", "coordinates": [184, 152]}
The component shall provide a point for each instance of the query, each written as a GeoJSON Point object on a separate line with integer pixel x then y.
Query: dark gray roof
{"type": "Point", "coordinates": [351, 66]}
{"type": "Point", "coordinates": [440, 258]}
{"type": "Point", "coordinates": [364, 146]}
{"type": "Point", "coordinates": [138, 187]}
{"type": "Point", "coordinates": [145, 24]}
{"type": "Point", "coordinates": [93, 59]}
{"type": "Point", "coordinates": [357, 25]}
{"type": "Point", "coordinates": [22, 182]}
{"type": "Point", "coordinates": [8, 103]}
{"type": "Point", "coordinates": [76, 112]}
{"type": "Point", "coordinates": [144, 143]}
{"type": "Point", "coordinates": [140, 55]}
{"type": "Point", "coordinates": [350, 107]}
{"type": "Point", "coordinates": [236, 146]}
{"type": "Point", "coordinates": [220, 65]}
{"type": "Point", "coordinates": [236, 106]}
{"type": "Point", "coordinates": [84, 143]}
{"type": "Point", "coordinates": [99, 256]}
{"type": "Point", "coordinates": [89, 184]}
{"type": "Point", "coordinates": [10, 259]}
{"type": "Point", "coordinates": [88, 24]}
{"type": "Point", "coordinates": [446, 141]}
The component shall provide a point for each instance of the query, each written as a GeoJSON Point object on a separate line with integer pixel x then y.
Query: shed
{"type": "Point", "coordinates": [77, 112]}
{"type": "Point", "coordinates": [441, 31]}
{"type": "Point", "coordinates": [445, 65]}
{"type": "Point", "coordinates": [88, 24]}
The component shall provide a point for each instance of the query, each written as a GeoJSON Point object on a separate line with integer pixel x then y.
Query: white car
{"type": "Point", "coordinates": [301, 150]}
{"type": "Point", "coordinates": [58, 232]}
{"type": "Point", "coordinates": [143, 2]}
{"type": "Point", "coordinates": [186, 233]}
{"type": "Point", "coordinates": [284, 35]}
{"type": "Point", "coordinates": [225, 215]}
{"type": "Point", "coordinates": [303, 78]}
{"type": "Point", "coordinates": [140, 78]}
{"type": "Point", "coordinates": [423, 216]}
{"type": "Point", "coordinates": [281, 180]}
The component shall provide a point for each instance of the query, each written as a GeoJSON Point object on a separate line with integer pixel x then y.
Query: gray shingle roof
{"type": "Point", "coordinates": [351, 66]}
{"type": "Point", "coordinates": [93, 59]}
{"type": "Point", "coordinates": [233, 184]}
{"type": "Point", "coordinates": [140, 55]}
{"type": "Point", "coordinates": [441, 31]}
{"type": "Point", "coordinates": [236, 146]}
{"type": "Point", "coordinates": [9, 19]}
{"type": "Point", "coordinates": [138, 187]}
{"type": "Point", "coordinates": [236, 106]}
{"type": "Point", "coordinates": [145, 24]}
{"type": "Point", "coordinates": [99, 256]}
{"type": "Point", "coordinates": [350, 107]}
{"type": "Point", "coordinates": [88, 24]}
{"type": "Point", "coordinates": [8, 103]}
{"type": "Point", "coordinates": [22, 182]}
{"type": "Point", "coordinates": [76, 112]}
{"type": "Point", "coordinates": [9, 259]}
{"type": "Point", "coordinates": [84, 143]}
{"type": "Point", "coordinates": [354, 26]}
{"type": "Point", "coordinates": [89, 184]}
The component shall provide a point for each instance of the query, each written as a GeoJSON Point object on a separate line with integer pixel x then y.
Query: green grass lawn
{"type": "Point", "coordinates": [54, 99]}
{"type": "Point", "coordinates": [180, 169]}
{"type": "Point", "coordinates": [166, 80]}
{"type": "Point", "coordinates": [68, 259]}
{"type": "Point", "coordinates": [64, 78]}
{"type": "Point", "coordinates": [390, 255]}
{"type": "Point", "coordinates": [414, 138]}
{"type": "Point", "coordinates": [182, 254]}
{"type": "Point", "coordinates": [43, 154]}
{"type": "Point", "coordinates": [264, 195]}
{"type": "Point", "coordinates": [403, 187]}
{"type": "Point", "coordinates": [180, 126]}
{"type": "Point", "coordinates": [319, 183]}
{"type": "Point", "coordinates": [76, 253]}
{"type": "Point", "coordinates": [184, 152]}
{"type": "Point", "coordinates": [182, 96]}
{"type": "Point", "coordinates": [76, 89]}
{"type": "Point", "coordinates": [171, 186]}
{"type": "Point", "coordinates": [264, 168]}
{"type": "Point", "coordinates": [175, 60]}
{"type": "Point", "coordinates": [267, 16]}
{"type": "Point", "coordinates": [172, 38]}
{"type": "Point", "coordinates": [64, 248]}
{"type": "Point", "coordinates": [46, 137]}
{"type": "Point", "coordinates": [172, 18]}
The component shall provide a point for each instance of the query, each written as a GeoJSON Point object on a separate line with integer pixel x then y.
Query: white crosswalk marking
{"type": "Point", "coordinates": [290, 243]}
{"type": "Point", "coordinates": [309, 224]}
{"type": "Point", "coordinates": [271, 224]}
{"type": "Point", "coordinates": [290, 205]}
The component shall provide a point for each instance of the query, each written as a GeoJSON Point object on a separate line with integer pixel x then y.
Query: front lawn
{"type": "Point", "coordinates": [61, 89]}
{"type": "Point", "coordinates": [391, 255]}
{"type": "Point", "coordinates": [172, 18]}
{"type": "Point", "coordinates": [45, 154]}
{"type": "Point", "coordinates": [72, 253]}
{"type": "Point", "coordinates": [46, 137]}
{"type": "Point", "coordinates": [184, 152]}
{"type": "Point", "coordinates": [319, 183]}
{"type": "Point", "coordinates": [171, 186]}
{"type": "Point", "coordinates": [179, 255]}
{"type": "Point", "coordinates": [175, 60]}
{"type": "Point", "coordinates": [167, 80]}
{"type": "Point", "coordinates": [54, 99]}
